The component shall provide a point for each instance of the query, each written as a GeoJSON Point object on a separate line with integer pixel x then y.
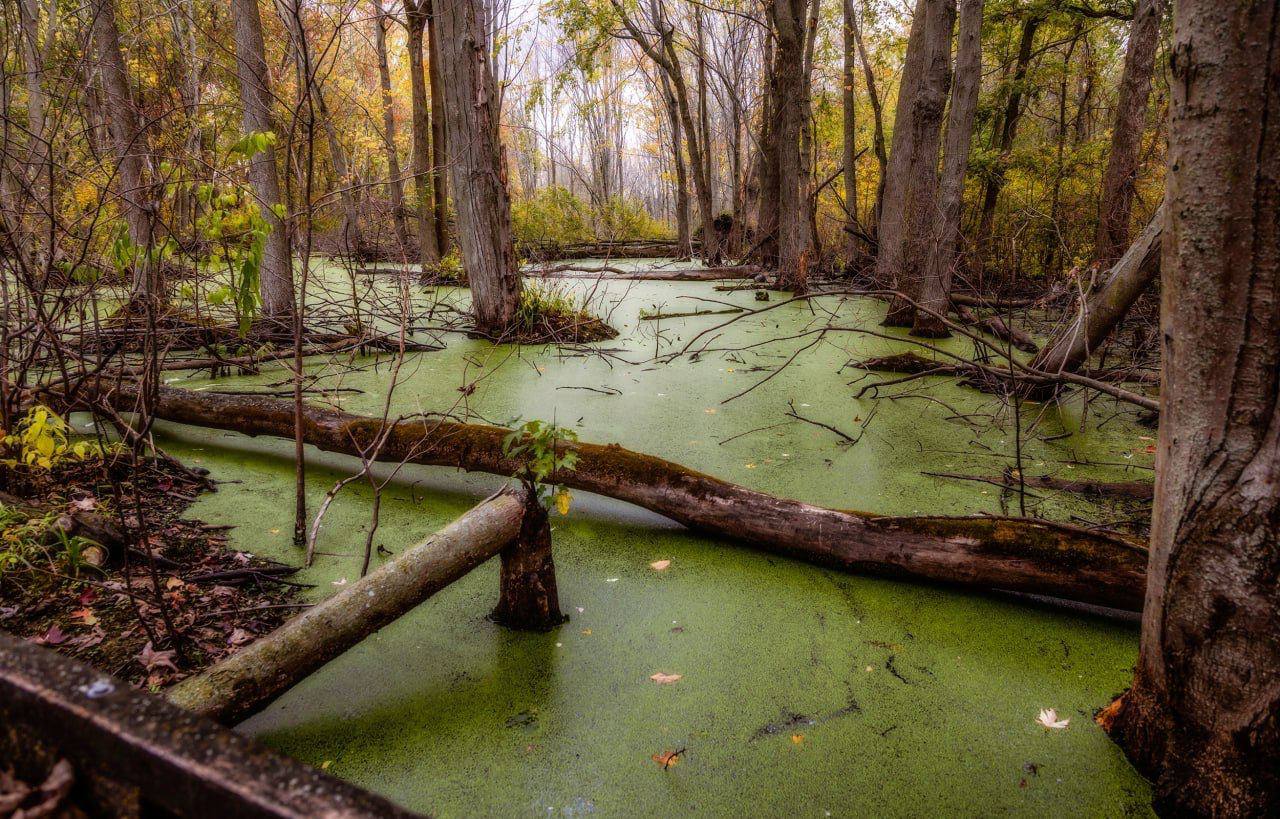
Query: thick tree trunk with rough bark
{"type": "Point", "coordinates": [1202, 718]}
{"type": "Point", "coordinates": [276, 273]}
{"type": "Point", "coordinates": [919, 186]}
{"type": "Point", "coordinates": [395, 185]}
{"type": "Point", "coordinates": [1126, 135]}
{"type": "Point", "coordinates": [477, 166]}
{"type": "Point", "coordinates": [790, 89]}
{"type": "Point", "coordinates": [935, 291]}
{"type": "Point", "coordinates": [136, 194]}
{"type": "Point", "coordinates": [1107, 302]}
{"type": "Point", "coordinates": [981, 552]}
{"type": "Point", "coordinates": [1203, 714]}
{"type": "Point", "coordinates": [246, 682]}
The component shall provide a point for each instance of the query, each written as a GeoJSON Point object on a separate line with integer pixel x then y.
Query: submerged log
{"type": "Point", "coordinates": [248, 681]}
{"type": "Point", "coordinates": [1018, 554]}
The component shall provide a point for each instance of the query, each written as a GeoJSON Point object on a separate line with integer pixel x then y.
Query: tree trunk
{"type": "Point", "coordinates": [1126, 137]}
{"type": "Point", "coordinates": [1007, 131]}
{"type": "Point", "coordinates": [1106, 303]}
{"type": "Point", "coordinates": [439, 141]}
{"type": "Point", "coordinates": [790, 86]}
{"type": "Point", "coordinates": [877, 113]}
{"type": "Point", "coordinates": [395, 185]}
{"type": "Point", "coordinates": [424, 203]}
{"type": "Point", "coordinates": [890, 236]}
{"type": "Point", "coordinates": [849, 134]}
{"type": "Point", "coordinates": [935, 293]}
{"type": "Point", "coordinates": [1202, 718]}
{"type": "Point", "coordinates": [982, 552]}
{"type": "Point", "coordinates": [136, 195]}
{"type": "Point", "coordinates": [246, 682]}
{"type": "Point", "coordinates": [352, 239]}
{"type": "Point", "coordinates": [684, 242]}
{"type": "Point", "coordinates": [914, 247]}
{"type": "Point", "coordinates": [527, 597]}
{"type": "Point", "coordinates": [766, 234]}
{"type": "Point", "coordinates": [476, 165]}
{"type": "Point", "coordinates": [276, 272]}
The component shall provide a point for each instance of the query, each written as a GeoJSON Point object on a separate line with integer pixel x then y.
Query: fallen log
{"type": "Point", "coordinates": [134, 754]}
{"type": "Point", "coordinates": [246, 682]}
{"type": "Point", "coordinates": [1107, 303]}
{"type": "Point", "coordinates": [997, 327]}
{"type": "Point", "coordinates": [1017, 554]}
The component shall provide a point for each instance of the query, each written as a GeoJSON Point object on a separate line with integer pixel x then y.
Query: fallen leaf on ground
{"type": "Point", "coordinates": [1049, 719]}
{"type": "Point", "coordinates": [239, 637]}
{"type": "Point", "coordinates": [659, 565]}
{"type": "Point", "coordinates": [173, 583]}
{"type": "Point", "coordinates": [797, 738]}
{"type": "Point", "coordinates": [85, 616]}
{"type": "Point", "coordinates": [341, 582]}
{"type": "Point", "coordinates": [52, 637]}
{"type": "Point", "coordinates": [152, 659]}
{"type": "Point", "coordinates": [667, 759]}
{"type": "Point", "coordinates": [666, 679]}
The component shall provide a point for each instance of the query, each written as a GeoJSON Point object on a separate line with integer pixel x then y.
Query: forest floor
{"type": "Point", "coordinates": [151, 619]}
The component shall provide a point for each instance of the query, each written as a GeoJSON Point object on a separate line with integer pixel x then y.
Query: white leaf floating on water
{"type": "Point", "coordinates": [1049, 719]}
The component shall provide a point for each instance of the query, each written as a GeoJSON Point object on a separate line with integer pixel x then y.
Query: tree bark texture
{"type": "Point", "coordinates": [1202, 718]}
{"type": "Point", "coordinates": [476, 166]}
{"type": "Point", "coordinates": [920, 199]}
{"type": "Point", "coordinates": [890, 235]}
{"type": "Point", "coordinates": [790, 90]}
{"type": "Point", "coordinates": [395, 185]}
{"type": "Point", "coordinates": [935, 291]}
{"type": "Point", "coordinates": [528, 598]}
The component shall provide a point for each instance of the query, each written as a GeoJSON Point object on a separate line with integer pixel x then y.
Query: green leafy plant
{"type": "Point", "coordinates": [540, 446]}
{"type": "Point", "coordinates": [41, 440]}
{"type": "Point", "coordinates": [233, 225]}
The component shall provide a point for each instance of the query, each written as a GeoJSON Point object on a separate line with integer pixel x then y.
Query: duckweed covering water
{"type": "Point", "coordinates": [803, 691]}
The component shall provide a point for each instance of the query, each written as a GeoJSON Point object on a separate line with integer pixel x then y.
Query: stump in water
{"type": "Point", "coordinates": [528, 598]}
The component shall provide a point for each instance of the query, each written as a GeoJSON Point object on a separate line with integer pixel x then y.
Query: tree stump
{"type": "Point", "coordinates": [528, 600]}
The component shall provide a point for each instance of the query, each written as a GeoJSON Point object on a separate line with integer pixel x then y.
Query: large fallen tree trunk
{"type": "Point", "coordinates": [244, 683]}
{"type": "Point", "coordinates": [1106, 304]}
{"type": "Point", "coordinates": [1017, 554]}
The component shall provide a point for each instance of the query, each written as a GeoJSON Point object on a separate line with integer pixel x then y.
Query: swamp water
{"type": "Point", "coordinates": [803, 691]}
